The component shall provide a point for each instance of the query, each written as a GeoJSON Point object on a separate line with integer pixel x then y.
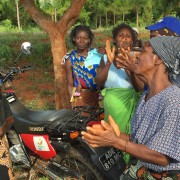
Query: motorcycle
{"type": "Point", "coordinates": [49, 142]}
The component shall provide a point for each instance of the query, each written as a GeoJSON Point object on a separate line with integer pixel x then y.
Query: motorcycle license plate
{"type": "Point", "coordinates": [110, 158]}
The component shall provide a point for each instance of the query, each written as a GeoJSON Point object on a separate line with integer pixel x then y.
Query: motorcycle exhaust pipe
{"type": "Point", "coordinates": [52, 175]}
{"type": "Point", "coordinates": [47, 171]}
{"type": "Point", "coordinates": [58, 172]}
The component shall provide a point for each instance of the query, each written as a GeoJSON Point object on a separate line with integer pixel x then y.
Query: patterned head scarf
{"type": "Point", "coordinates": [168, 49]}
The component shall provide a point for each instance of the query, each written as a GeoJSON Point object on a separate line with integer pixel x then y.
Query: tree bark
{"type": "Point", "coordinates": [57, 34]}
{"type": "Point", "coordinates": [96, 22]}
{"type": "Point", "coordinates": [114, 15]}
{"type": "Point", "coordinates": [100, 21]}
{"type": "Point", "coordinates": [123, 15]}
{"type": "Point", "coordinates": [55, 15]}
{"type": "Point", "coordinates": [18, 19]}
{"type": "Point", "coordinates": [137, 18]}
{"type": "Point", "coordinates": [106, 19]}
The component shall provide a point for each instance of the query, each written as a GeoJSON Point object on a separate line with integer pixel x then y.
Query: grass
{"type": "Point", "coordinates": [33, 104]}
{"type": "Point", "coordinates": [10, 44]}
{"type": "Point", "coordinates": [45, 92]}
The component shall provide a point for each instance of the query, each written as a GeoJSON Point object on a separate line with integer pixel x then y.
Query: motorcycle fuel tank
{"type": "Point", "coordinates": [39, 144]}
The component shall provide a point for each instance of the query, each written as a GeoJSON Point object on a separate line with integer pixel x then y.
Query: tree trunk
{"type": "Point", "coordinates": [106, 19]}
{"type": "Point", "coordinates": [137, 18]}
{"type": "Point", "coordinates": [114, 18]}
{"type": "Point", "coordinates": [58, 48]}
{"type": "Point", "coordinates": [96, 22]}
{"type": "Point", "coordinates": [123, 15]}
{"type": "Point", "coordinates": [57, 34]}
{"type": "Point", "coordinates": [100, 21]}
{"type": "Point", "coordinates": [55, 15]}
{"type": "Point", "coordinates": [18, 19]}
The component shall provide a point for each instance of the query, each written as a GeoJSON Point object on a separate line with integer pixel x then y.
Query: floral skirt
{"type": "Point", "coordinates": [138, 171]}
{"type": "Point", "coordinates": [5, 162]}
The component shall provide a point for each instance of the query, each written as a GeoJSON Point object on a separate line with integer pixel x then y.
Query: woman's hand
{"type": "Point", "coordinates": [102, 50]}
{"type": "Point", "coordinates": [126, 59]}
{"type": "Point", "coordinates": [110, 53]}
{"type": "Point", "coordinates": [103, 134]}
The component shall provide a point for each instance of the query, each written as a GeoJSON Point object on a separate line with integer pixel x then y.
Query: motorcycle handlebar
{"type": "Point", "coordinates": [15, 71]}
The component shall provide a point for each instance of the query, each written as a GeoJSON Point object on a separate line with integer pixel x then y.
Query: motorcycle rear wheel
{"type": "Point", "coordinates": [79, 160]}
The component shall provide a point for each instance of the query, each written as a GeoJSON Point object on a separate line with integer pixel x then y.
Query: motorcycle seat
{"type": "Point", "coordinates": [25, 120]}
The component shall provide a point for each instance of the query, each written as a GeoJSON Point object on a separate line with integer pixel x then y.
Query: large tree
{"type": "Point", "coordinates": [57, 34]}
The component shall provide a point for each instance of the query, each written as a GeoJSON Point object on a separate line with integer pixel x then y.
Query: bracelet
{"type": "Point", "coordinates": [125, 147]}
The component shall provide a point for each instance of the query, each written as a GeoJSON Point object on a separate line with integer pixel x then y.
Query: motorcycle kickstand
{"type": "Point", "coordinates": [32, 171]}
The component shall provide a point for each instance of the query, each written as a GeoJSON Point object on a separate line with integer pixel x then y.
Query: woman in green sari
{"type": "Point", "coordinates": [121, 86]}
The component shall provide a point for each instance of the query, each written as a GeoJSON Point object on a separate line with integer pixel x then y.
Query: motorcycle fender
{"type": "Point", "coordinates": [39, 144]}
{"type": "Point", "coordinates": [113, 172]}
{"type": "Point", "coordinates": [86, 146]}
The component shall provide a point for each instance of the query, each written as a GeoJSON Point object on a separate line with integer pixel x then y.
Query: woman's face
{"type": "Point", "coordinates": [154, 34]}
{"type": "Point", "coordinates": [124, 38]}
{"type": "Point", "coordinates": [145, 61]}
{"type": "Point", "coordinates": [82, 40]}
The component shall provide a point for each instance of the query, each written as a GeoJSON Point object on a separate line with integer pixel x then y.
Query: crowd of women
{"type": "Point", "coordinates": [140, 91]}
{"type": "Point", "coordinates": [139, 85]}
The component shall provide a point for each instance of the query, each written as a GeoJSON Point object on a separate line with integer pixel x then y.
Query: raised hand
{"type": "Point", "coordinates": [114, 126]}
{"type": "Point", "coordinates": [126, 59]}
{"type": "Point", "coordinates": [110, 53]}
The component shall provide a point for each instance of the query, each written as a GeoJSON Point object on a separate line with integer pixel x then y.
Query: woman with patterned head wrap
{"type": "Point", "coordinates": [155, 127]}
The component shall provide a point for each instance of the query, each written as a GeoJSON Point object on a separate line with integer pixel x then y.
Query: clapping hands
{"type": "Point", "coordinates": [125, 58]}
{"type": "Point", "coordinates": [122, 57]}
{"type": "Point", "coordinates": [103, 134]}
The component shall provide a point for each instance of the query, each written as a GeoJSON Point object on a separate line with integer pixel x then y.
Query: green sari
{"type": "Point", "coordinates": [120, 103]}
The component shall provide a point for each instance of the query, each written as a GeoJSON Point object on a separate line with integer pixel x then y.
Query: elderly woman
{"type": "Point", "coordinates": [155, 126]}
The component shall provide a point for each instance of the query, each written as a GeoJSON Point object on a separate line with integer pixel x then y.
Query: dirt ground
{"type": "Point", "coordinates": [35, 88]}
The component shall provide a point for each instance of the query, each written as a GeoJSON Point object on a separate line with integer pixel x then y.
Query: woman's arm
{"type": "Point", "coordinates": [108, 137]}
{"type": "Point", "coordinates": [137, 83]}
{"type": "Point", "coordinates": [69, 75]}
{"type": "Point", "coordinates": [141, 152]}
{"type": "Point", "coordinates": [102, 73]}
{"type": "Point", "coordinates": [103, 69]}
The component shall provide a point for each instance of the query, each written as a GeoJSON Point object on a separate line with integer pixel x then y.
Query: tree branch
{"type": "Point", "coordinates": [41, 19]}
{"type": "Point", "coordinates": [72, 14]}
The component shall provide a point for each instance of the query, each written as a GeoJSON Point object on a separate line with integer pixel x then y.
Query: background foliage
{"type": "Point", "coordinates": [16, 27]}
{"type": "Point", "coordinates": [96, 13]}
{"type": "Point", "coordinates": [101, 16]}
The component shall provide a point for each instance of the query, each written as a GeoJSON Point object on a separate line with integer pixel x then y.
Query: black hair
{"type": "Point", "coordinates": [116, 30]}
{"type": "Point", "coordinates": [81, 28]}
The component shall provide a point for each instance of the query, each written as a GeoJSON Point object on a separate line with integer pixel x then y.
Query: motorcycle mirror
{"type": "Point", "coordinates": [26, 47]}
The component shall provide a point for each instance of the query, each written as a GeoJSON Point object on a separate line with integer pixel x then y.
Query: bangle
{"type": "Point", "coordinates": [125, 147]}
